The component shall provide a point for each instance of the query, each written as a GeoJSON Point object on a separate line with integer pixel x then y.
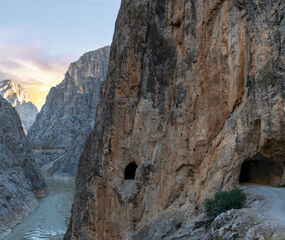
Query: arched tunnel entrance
{"type": "Point", "coordinates": [261, 170]}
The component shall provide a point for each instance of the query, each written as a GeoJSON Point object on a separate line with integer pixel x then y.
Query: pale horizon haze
{"type": "Point", "coordinates": [40, 38]}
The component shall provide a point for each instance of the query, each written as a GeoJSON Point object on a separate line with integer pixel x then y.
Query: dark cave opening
{"type": "Point", "coordinates": [130, 171]}
{"type": "Point", "coordinates": [261, 171]}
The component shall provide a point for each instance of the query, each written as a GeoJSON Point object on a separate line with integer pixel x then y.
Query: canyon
{"type": "Point", "coordinates": [67, 117]}
{"type": "Point", "coordinates": [52, 146]}
{"type": "Point", "coordinates": [21, 183]}
{"type": "Point", "coordinates": [193, 104]}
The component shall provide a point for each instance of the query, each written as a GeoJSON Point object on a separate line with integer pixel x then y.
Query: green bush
{"type": "Point", "coordinates": [250, 80]}
{"type": "Point", "coordinates": [222, 202]}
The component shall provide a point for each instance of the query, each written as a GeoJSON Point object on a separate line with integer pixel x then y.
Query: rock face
{"type": "Point", "coordinates": [193, 100]}
{"type": "Point", "coordinates": [13, 92]}
{"type": "Point", "coordinates": [20, 181]}
{"type": "Point", "coordinates": [67, 117]}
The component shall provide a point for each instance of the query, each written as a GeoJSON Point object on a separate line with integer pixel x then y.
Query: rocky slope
{"type": "Point", "coordinates": [20, 181]}
{"type": "Point", "coordinates": [193, 104]}
{"type": "Point", "coordinates": [263, 217]}
{"type": "Point", "coordinates": [13, 92]}
{"type": "Point", "coordinates": [66, 119]}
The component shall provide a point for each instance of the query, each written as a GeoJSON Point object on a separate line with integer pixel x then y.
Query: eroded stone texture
{"type": "Point", "coordinates": [66, 119]}
{"type": "Point", "coordinates": [194, 89]}
{"type": "Point", "coordinates": [262, 218]}
{"type": "Point", "coordinates": [20, 181]}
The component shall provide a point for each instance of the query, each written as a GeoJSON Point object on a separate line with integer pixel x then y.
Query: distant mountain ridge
{"type": "Point", "coordinates": [67, 117]}
{"type": "Point", "coordinates": [14, 93]}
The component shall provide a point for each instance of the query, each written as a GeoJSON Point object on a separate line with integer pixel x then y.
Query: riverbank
{"type": "Point", "coordinates": [49, 220]}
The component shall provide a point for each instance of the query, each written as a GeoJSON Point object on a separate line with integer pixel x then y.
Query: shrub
{"type": "Point", "coordinates": [223, 201]}
{"type": "Point", "coordinates": [250, 80]}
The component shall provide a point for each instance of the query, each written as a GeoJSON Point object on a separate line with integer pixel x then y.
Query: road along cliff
{"type": "Point", "coordinates": [193, 104]}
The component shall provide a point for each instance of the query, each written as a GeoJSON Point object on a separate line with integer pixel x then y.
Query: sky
{"type": "Point", "coordinates": [40, 38]}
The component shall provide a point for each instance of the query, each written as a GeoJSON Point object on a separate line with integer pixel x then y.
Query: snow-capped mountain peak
{"type": "Point", "coordinates": [14, 93]}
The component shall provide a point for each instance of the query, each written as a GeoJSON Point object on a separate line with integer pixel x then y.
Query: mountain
{"type": "Point", "coordinates": [194, 103]}
{"type": "Point", "coordinates": [20, 181]}
{"type": "Point", "coordinates": [67, 117]}
{"type": "Point", "coordinates": [13, 92]}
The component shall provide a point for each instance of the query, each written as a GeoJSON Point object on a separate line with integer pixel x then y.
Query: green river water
{"type": "Point", "coordinates": [49, 221]}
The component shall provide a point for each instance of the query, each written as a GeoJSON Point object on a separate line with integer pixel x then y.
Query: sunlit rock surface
{"type": "Point", "coordinates": [67, 117]}
{"type": "Point", "coordinates": [13, 92]}
{"type": "Point", "coordinates": [194, 89]}
{"type": "Point", "coordinates": [20, 181]}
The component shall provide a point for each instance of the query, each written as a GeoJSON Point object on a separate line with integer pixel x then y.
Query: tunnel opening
{"type": "Point", "coordinates": [130, 171]}
{"type": "Point", "coordinates": [261, 170]}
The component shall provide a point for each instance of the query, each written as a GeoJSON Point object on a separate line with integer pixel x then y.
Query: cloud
{"type": "Point", "coordinates": [30, 64]}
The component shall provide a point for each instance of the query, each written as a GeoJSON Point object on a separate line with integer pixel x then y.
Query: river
{"type": "Point", "coordinates": [49, 221]}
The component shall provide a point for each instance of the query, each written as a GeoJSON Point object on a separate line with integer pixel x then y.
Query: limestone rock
{"type": "Point", "coordinates": [67, 117]}
{"type": "Point", "coordinates": [194, 90]}
{"type": "Point", "coordinates": [13, 92]}
{"type": "Point", "coordinates": [172, 225]}
{"type": "Point", "coordinates": [20, 181]}
{"type": "Point", "coordinates": [262, 218]}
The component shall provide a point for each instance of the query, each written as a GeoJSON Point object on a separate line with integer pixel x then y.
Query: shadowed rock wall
{"type": "Point", "coordinates": [194, 89]}
{"type": "Point", "coordinates": [67, 118]}
{"type": "Point", "coordinates": [20, 181]}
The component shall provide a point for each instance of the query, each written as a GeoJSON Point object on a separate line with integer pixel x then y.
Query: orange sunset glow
{"type": "Point", "coordinates": [32, 67]}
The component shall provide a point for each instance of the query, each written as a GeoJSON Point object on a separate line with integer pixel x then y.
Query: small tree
{"type": "Point", "coordinates": [222, 202]}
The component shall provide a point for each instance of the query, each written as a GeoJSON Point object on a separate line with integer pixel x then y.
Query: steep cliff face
{"type": "Point", "coordinates": [14, 93]}
{"type": "Point", "coordinates": [66, 119]}
{"type": "Point", "coordinates": [193, 104]}
{"type": "Point", "coordinates": [20, 181]}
